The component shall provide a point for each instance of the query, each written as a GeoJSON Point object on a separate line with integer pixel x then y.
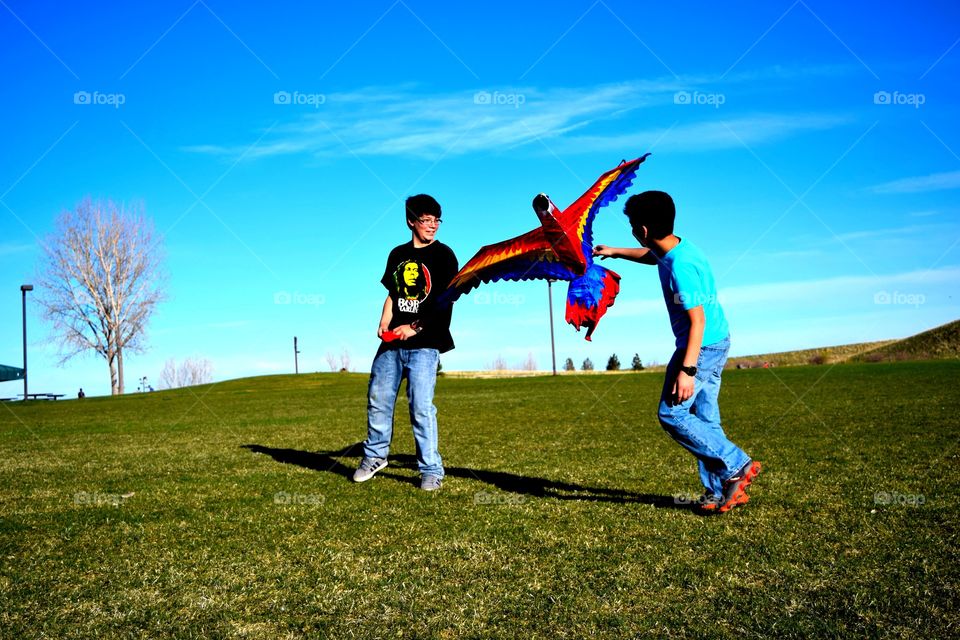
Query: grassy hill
{"type": "Point", "coordinates": [226, 511]}
{"type": "Point", "coordinates": [939, 343]}
{"type": "Point", "coordinates": [821, 355]}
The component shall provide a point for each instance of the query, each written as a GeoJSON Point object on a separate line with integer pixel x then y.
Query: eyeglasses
{"type": "Point", "coordinates": [430, 222]}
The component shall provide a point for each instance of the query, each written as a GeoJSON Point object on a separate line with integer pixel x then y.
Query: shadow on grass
{"type": "Point", "coordinates": [330, 462]}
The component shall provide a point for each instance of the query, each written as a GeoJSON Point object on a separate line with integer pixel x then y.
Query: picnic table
{"type": "Point", "coordinates": [45, 396]}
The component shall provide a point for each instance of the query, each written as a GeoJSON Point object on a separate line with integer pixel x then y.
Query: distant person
{"type": "Point", "coordinates": [416, 273]}
{"type": "Point", "coordinates": [689, 409]}
{"type": "Point", "coordinates": [81, 394]}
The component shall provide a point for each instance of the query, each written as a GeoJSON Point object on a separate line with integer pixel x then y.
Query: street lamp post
{"type": "Point", "coordinates": [296, 352]}
{"type": "Point", "coordinates": [23, 292]}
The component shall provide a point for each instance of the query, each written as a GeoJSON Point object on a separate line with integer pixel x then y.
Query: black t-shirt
{"type": "Point", "coordinates": [415, 278]}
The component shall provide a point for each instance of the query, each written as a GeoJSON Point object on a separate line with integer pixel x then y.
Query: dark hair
{"type": "Point", "coordinates": [422, 204]}
{"type": "Point", "coordinates": [651, 209]}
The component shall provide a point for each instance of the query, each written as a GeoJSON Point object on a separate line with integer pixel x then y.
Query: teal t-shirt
{"type": "Point", "coordinates": [687, 282]}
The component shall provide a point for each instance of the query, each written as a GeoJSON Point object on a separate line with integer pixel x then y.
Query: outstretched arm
{"type": "Point", "coordinates": [634, 254]}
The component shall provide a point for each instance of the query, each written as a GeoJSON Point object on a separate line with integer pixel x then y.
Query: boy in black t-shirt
{"type": "Point", "coordinates": [417, 272]}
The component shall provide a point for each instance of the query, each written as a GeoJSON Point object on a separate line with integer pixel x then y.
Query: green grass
{"type": "Point", "coordinates": [557, 519]}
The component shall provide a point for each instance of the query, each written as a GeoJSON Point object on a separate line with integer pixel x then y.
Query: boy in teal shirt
{"type": "Point", "coordinates": [689, 409]}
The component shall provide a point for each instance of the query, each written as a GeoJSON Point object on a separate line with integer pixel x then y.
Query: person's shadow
{"type": "Point", "coordinates": [330, 462]}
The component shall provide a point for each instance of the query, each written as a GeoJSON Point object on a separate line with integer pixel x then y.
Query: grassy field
{"type": "Point", "coordinates": [226, 511]}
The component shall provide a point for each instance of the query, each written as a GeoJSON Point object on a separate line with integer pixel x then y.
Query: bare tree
{"type": "Point", "coordinates": [331, 361]}
{"type": "Point", "coordinates": [194, 371]}
{"type": "Point", "coordinates": [168, 375]}
{"type": "Point", "coordinates": [530, 364]}
{"type": "Point", "coordinates": [100, 281]}
{"type": "Point", "coordinates": [345, 360]}
{"type": "Point", "coordinates": [499, 364]}
{"type": "Point", "coordinates": [191, 372]}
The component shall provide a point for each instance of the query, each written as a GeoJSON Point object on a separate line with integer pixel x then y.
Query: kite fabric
{"type": "Point", "coordinates": [561, 248]}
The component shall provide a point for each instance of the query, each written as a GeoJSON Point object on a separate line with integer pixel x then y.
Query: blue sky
{"type": "Point", "coordinates": [812, 150]}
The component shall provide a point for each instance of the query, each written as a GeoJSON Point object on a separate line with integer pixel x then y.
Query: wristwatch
{"type": "Point", "coordinates": [690, 371]}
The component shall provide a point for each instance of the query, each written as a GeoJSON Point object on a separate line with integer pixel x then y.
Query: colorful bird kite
{"type": "Point", "coordinates": [560, 249]}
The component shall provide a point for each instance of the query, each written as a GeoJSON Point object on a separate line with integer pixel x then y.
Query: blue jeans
{"type": "Point", "coordinates": [695, 423]}
{"type": "Point", "coordinates": [389, 368]}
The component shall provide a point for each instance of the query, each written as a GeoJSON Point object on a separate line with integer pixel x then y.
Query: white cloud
{"type": "Point", "coordinates": [818, 293]}
{"type": "Point", "coordinates": [714, 134]}
{"type": "Point", "coordinates": [230, 324]}
{"type": "Point", "coordinates": [920, 184]}
{"type": "Point", "coordinates": [896, 233]}
{"type": "Point", "coordinates": [11, 248]}
{"type": "Point", "coordinates": [845, 288]}
{"type": "Point", "coordinates": [409, 122]}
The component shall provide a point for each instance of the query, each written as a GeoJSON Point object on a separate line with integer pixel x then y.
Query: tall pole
{"type": "Point", "coordinates": [23, 292]}
{"type": "Point", "coordinates": [296, 364]}
{"type": "Point", "coordinates": [553, 351]}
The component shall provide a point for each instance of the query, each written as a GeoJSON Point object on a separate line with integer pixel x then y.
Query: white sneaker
{"type": "Point", "coordinates": [368, 467]}
{"type": "Point", "coordinates": [430, 483]}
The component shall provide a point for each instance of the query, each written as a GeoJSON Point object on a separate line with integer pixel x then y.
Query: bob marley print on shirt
{"type": "Point", "coordinates": [413, 283]}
